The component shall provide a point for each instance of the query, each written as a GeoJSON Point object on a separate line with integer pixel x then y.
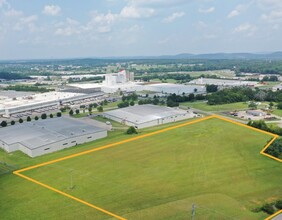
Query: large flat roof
{"type": "Point", "coordinates": [35, 134]}
{"type": "Point", "coordinates": [139, 114]}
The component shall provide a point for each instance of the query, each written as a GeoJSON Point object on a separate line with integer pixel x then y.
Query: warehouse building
{"type": "Point", "coordinates": [142, 116]}
{"type": "Point", "coordinates": [45, 136]}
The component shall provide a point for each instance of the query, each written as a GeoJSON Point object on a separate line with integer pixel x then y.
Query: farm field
{"type": "Point", "coordinates": [225, 107]}
{"type": "Point", "coordinates": [161, 176]}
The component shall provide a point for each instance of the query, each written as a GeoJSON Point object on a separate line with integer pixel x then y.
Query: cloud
{"type": "Point", "coordinates": [207, 11]}
{"type": "Point", "coordinates": [13, 13]}
{"type": "Point", "coordinates": [173, 17]}
{"type": "Point", "coordinates": [273, 16]}
{"type": "Point", "coordinates": [68, 28]}
{"type": "Point", "coordinates": [245, 28]}
{"type": "Point", "coordinates": [136, 12]}
{"type": "Point", "coordinates": [164, 41]}
{"type": "Point", "coordinates": [51, 10]}
{"type": "Point", "coordinates": [237, 11]}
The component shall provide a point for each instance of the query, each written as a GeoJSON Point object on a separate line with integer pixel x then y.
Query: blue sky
{"type": "Point", "coordinates": [93, 28]}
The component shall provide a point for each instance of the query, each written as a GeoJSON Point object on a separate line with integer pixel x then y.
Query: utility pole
{"type": "Point", "coordinates": [193, 211]}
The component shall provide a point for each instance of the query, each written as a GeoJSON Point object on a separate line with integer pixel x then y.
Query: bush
{"type": "Point", "coordinates": [131, 130]}
{"type": "Point", "coordinates": [4, 123]}
{"type": "Point", "coordinates": [278, 204]}
{"type": "Point", "coordinates": [28, 118]}
{"type": "Point", "coordinates": [36, 118]}
{"type": "Point", "coordinates": [100, 109]}
{"type": "Point", "coordinates": [77, 111]}
{"type": "Point", "coordinates": [132, 103]}
{"type": "Point", "coordinates": [268, 208]}
{"type": "Point", "coordinates": [51, 116]}
{"type": "Point", "coordinates": [43, 116]}
{"type": "Point", "coordinates": [20, 120]}
{"type": "Point", "coordinates": [71, 112]}
{"type": "Point", "coordinates": [13, 122]}
{"type": "Point", "coordinates": [59, 114]}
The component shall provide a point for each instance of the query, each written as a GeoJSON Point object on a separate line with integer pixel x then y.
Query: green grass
{"type": "Point", "coordinates": [225, 107]}
{"type": "Point", "coordinates": [158, 177]}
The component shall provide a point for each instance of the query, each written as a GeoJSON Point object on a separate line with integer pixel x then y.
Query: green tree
{"type": "Point", "coordinates": [90, 110]}
{"type": "Point", "coordinates": [51, 116]}
{"type": "Point", "coordinates": [100, 109]}
{"type": "Point", "coordinates": [59, 114]}
{"type": "Point", "coordinates": [77, 111]}
{"type": "Point", "coordinates": [44, 116]}
{"type": "Point", "coordinates": [4, 123]}
{"type": "Point", "coordinates": [132, 103]}
{"type": "Point", "coordinates": [28, 118]}
{"type": "Point", "coordinates": [131, 130]}
{"type": "Point", "coordinates": [13, 122]}
{"type": "Point", "coordinates": [20, 120]}
{"type": "Point", "coordinates": [279, 105]}
{"type": "Point", "coordinates": [36, 118]}
{"type": "Point", "coordinates": [252, 105]}
{"type": "Point", "coordinates": [271, 105]}
{"type": "Point", "coordinates": [71, 112]}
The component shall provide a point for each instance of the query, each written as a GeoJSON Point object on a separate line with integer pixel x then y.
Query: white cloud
{"type": "Point", "coordinates": [237, 11]}
{"type": "Point", "coordinates": [52, 10]}
{"type": "Point", "coordinates": [273, 16]}
{"type": "Point", "coordinates": [246, 28]}
{"type": "Point", "coordinates": [164, 41]}
{"type": "Point", "coordinates": [136, 12]}
{"type": "Point", "coordinates": [173, 17]}
{"type": "Point", "coordinates": [68, 28]}
{"type": "Point", "coordinates": [207, 11]}
{"type": "Point", "coordinates": [13, 13]}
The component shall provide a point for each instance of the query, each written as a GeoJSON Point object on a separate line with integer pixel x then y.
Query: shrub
{"type": "Point", "coordinates": [28, 118]}
{"type": "Point", "coordinates": [268, 208]}
{"type": "Point", "coordinates": [77, 111]}
{"type": "Point", "coordinates": [59, 114]}
{"type": "Point", "coordinates": [36, 118]}
{"type": "Point", "coordinates": [100, 109]}
{"type": "Point", "coordinates": [71, 112]}
{"type": "Point", "coordinates": [20, 120]}
{"type": "Point", "coordinates": [279, 204]}
{"type": "Point", "coordinates": [43, 116]}
{"type": "Point", "coordinates": [13, 122]}
{"type": "Point", "coordinates": [4, 123]}
{"type": "Point", "coordinates": [51, 116]}
{"type": "Point", "coordinates": [131, 130]}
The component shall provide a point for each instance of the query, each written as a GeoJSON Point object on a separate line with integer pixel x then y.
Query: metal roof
{"type": "Point", "coordinates": [139, 114]}
{"type": "Point", "coordinates": [35, 134]}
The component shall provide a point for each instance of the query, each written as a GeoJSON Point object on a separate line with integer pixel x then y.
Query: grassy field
{"type": "Point", "coordinates": [225, 107]}
{"type": "Point", "coordinates": [158, 177]}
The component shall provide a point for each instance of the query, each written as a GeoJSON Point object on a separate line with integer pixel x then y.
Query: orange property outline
{"type": "Point", "coordinates": [19, 172]}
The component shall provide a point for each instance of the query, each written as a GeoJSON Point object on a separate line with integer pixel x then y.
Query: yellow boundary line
{"type": "Point", "coordinates": [19, 172]}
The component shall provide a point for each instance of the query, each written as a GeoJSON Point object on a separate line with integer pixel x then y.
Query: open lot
{"type": "Point", "coordinates": [161, 176]}
{"type": "Point", "coordinates": [225, 107]}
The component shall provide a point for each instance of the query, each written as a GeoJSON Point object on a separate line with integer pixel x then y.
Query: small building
{"type": "Point", "coordinates": [142, 116]}
{"type": "Point", "coordinates": [256, 113]}
{"type": "Point", "coordinates": [40, 137]}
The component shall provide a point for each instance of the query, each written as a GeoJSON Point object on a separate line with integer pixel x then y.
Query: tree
{"type": "Point", "coordinates": [20, 120]}
{"type": "Point", "coordinates": [13, 122]}
{"type": "Point", "coordinates": [77, 111]}
{"type": "Point", "coordinates": [131, 130]}
{"type": "Point", "coordinates": [59, 114]}
{"type": "Point", "coordinates": [28, 118]}
{"type": "Point", "coordinates": [4, 123]}
{"type": "Point", "coordinates": [253, 105]}
{"type": "Point", "coordinates": [51, 116]}
{"type": "Point", "coordinates": [90, 110]}
{"type": "Point", "coordinates": [156, 101]}
{"type": "Point", "coordinates": [279, 105]}
{"type": "Point", "coordinates": [36, 118]}
{"type": "Point", "coordinates": [211, 88]}
{"type": "Point", "coordinates": [132, 103]}
{"type": "Point", "coordinates": [100, 109]}
{"type": "Point", "coordinates": [271, 105]}
{"type": "Point", "coordinates": [71, 112]}
{"type": "Point", "coordinates": [43, 116]}
{"type": "Point", "coordinates": [95, 105]}
{"type": "Point", "coordinates": [105, 102]}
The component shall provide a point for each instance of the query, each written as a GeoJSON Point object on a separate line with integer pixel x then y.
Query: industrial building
{"type": "Point", "coordinates": [177, 89]}
{"type": "Point", "coordinates": [223, 82]}
{"type": "Point", "coordinates": [142, 116]}
{"type": "Point", "coordinates": [30, 103]}
{"type": "Point", "coordinates": [45, 136]}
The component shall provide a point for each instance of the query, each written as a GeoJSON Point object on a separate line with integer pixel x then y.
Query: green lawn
{"type": "Point", "coordinates": [158, 177]}
{"type": "Point", "coordinates": [225, 107]}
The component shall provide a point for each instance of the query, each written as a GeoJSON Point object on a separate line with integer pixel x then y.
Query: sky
{"type": "Point", "coordinates": [104, 28]}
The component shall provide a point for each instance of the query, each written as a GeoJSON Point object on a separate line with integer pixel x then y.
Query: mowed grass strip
{"type": "Point", "coordinates": [171, 169]}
